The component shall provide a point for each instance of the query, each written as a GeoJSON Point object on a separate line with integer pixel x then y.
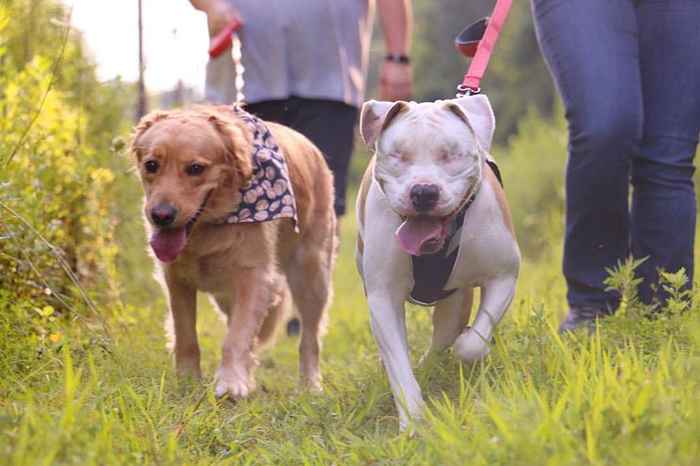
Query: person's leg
{"type": "Point", "coordinates": [279, 111]}
{"type": "Point", "coordinates": [591, 49]}
{"type": "Point", "coordinates": [331, 126]}
{"type": "Point", "coordinates": [663, 207]}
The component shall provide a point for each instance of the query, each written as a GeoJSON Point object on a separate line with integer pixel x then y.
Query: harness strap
{"type": "Point", "coordinates": [431, 272]}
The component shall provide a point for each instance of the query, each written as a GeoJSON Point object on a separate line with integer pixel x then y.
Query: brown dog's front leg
{"type": "Point", "coordinates": [251, 300]}
{"type": "Point", "coordinates": [183, 307]}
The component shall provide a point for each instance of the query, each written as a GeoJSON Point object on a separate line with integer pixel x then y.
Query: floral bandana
{"type": "Point", "coordinates": [268, 195]}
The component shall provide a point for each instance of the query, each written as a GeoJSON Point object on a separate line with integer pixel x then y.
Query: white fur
{"type": "Point", "coordinates": [489, 258]}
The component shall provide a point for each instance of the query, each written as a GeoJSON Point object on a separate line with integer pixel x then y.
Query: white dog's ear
{"type": "Point", "coordinates": [475, 111]}
{"type": "Point", "coordinates": [376, 116]}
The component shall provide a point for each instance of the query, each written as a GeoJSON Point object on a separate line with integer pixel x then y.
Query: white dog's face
{"type": "Point", "coordinates": [429, 157]}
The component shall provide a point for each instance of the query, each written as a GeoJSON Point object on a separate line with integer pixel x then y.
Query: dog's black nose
{"type": "Point", "coordinates": [163, 215]}
{"type": "Point", "coordinates": [424, 196]}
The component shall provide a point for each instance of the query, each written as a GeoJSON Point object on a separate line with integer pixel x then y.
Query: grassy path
{"type": "Point", "coordinates": [630, 395]}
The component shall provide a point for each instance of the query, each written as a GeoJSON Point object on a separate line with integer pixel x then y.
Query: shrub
{"type": "Point", "coordinates": [532, 164]}
{"type": "Point", "coordinates": [57, 181]}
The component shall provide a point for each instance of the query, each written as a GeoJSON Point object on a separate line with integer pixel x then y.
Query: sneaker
{"type": "Point", "coordinates": [582, 317]}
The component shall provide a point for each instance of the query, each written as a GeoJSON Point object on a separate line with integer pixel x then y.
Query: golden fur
{"type": "Point", "coordinates": [248, 269]}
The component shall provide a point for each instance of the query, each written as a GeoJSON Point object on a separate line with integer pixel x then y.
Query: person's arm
{"type": "Point", "coordinates": [219, 13]}
{"type": "Point", "coordinates": [396, 18]}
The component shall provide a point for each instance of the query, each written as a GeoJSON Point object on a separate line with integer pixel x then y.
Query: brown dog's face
{"type": "Point", "coordinates": [189, 162]}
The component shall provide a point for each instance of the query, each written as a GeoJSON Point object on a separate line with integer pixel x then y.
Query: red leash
{"type": "Point", "coordinates": [222, 40]}
{"type": "Point", "coordinates": [478, 41]}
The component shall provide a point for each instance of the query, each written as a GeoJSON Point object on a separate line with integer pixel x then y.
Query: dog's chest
{"type": "Point", "coordinates": [214, 274]}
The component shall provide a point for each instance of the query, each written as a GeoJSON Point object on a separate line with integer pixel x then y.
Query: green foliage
{"type": "Point", "coordinates": [57, 176]}
{"type": "Point", "coordinates": [533, 164]}
{"type": "Point", "coordinates": [517, 78]}
{"type": "Point", "coordinates": [624, 280]}
{"type": "Point", "coordinates": [626, 395]}
{"type": "Point", "coordinates": [675, 285]}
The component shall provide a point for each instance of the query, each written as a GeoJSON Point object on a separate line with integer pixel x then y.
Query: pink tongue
{"type": "Point", "coordinates": [415, 232]}
{"type": "Point", "coordinates": [168, 243]}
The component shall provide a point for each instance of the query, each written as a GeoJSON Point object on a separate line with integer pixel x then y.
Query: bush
{"type": "Point", "coordinates": [57, 181]}
{"type": "Point", "coordinates": [533, 164]}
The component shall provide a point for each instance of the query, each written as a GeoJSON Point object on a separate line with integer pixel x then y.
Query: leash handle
{"type": "Point", "coordinates": [223, 39]}
{"type": "Point", "coordinates": [477, 67]}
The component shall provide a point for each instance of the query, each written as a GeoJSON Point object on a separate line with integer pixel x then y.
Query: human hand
{"type": "Point", "coordinates": [395, 81]}
{"type": "Point", "coordinates": [219, 14]}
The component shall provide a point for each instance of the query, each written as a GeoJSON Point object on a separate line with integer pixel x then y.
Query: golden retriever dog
{"type": "Point", "coordinates": [193, 165]}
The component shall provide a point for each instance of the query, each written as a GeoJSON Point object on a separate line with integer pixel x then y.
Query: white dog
{"type": "Point", "coordinates": [434, 224]}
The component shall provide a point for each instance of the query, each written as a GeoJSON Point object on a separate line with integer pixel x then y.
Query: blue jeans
{"type": "Point", "coordinates": [629, 75]}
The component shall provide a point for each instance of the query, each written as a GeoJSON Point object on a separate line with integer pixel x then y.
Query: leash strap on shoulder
{"type": "Point", "coordinates": [481, 53]}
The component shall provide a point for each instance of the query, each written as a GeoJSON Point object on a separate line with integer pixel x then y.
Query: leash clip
{"type": "Point", "coordinates": [463, 91]}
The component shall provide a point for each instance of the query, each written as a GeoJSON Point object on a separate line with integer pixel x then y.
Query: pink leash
{"type": "Point", "coordinates": [472, 42]}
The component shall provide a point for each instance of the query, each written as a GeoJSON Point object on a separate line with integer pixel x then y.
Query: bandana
{"type": "Point", "coordinates": [268, 195]}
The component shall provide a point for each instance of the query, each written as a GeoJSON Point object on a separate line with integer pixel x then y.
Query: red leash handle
{"type": "Point", "coordinates": [477, 68]}
{"type": "Point", "coordinates": [222, 40]}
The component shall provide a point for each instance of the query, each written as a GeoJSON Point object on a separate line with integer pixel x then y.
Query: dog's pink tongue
{"type": "Point", "coordinates": [415, 232]}
{"type": "Point", "coordinates": [168, 243]}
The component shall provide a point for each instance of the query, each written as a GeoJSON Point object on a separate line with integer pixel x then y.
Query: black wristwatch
{"type": "Point", "coordinates": [398, 58]}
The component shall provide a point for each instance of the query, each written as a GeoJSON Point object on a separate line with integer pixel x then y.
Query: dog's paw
{"type": "Point", "coordinates": [469, 346]}
{"type": "Point", "coordinates": [229, 384]}
{"type": "Point", "coordinates": [312, 385]}
{"type": "Point", "coordinates": [410, 417]}
{"type": "Point", "coordinates": [188, 368]}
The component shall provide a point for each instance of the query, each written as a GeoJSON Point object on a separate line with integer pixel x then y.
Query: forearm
{"type": "Point", "coordinates": [396, 18]}
{"type": "Point", "coordinates": [205, 5]}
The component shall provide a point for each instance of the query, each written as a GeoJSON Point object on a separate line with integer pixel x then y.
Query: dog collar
{"type": "Point", "coordinates": [268, 195]}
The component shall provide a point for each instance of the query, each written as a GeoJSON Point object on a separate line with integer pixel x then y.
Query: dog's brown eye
{"type": "Point", "coordinates": [195, 169]}
{"type": "Point", "coordinates": [151, 166]}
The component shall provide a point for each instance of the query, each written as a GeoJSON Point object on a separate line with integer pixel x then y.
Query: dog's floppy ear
{"type": "Point", "coordinates": [237, 142]}
{"type": "Point", "coordinates": [376, 116]}
{"type": "Point", "coordinates": [142, 126]}
{"type": "Point", "coordinates": [476, 112]}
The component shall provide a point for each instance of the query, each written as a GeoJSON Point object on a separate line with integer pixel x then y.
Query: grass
{"type": "Point", "coordinates": [627, 395]}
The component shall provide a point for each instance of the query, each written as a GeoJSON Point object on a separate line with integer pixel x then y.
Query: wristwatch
{"type": "Point", "coordinates": [398, 58]}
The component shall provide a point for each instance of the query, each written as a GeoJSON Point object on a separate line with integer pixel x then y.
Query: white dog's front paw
{"type": "Point", "coordinates": [470, 346]}
{"type": "Point", "coordinates": [233, 384]}
{"type": "Point", "coordinates": [410, 412]}
{"type": "Point", "coordinates": [408, 420]}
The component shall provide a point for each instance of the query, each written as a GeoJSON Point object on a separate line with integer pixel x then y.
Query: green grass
{"type": "Point", "coordinates": [628, 395]}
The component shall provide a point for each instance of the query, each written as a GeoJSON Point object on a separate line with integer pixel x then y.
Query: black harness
{"type": "Point", "coordinates": [432, 271]}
